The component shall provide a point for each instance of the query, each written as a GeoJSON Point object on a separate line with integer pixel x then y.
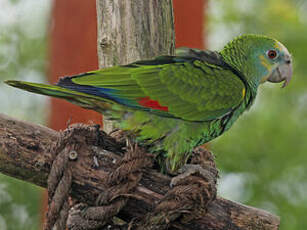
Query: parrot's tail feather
{"type": "Point", "coordinates": [79, 98]}
{"type": "Point", "coordinates": [67, 83]}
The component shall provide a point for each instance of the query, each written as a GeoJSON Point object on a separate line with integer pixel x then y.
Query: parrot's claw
{"type": "Point", "coordinates": [130, 146]}
{"type": "Point", "coordinates": [188, 170]}
{"type": "Point", "coordinates": [128, 143]}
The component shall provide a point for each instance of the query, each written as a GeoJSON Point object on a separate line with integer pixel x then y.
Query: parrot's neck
{"type": "Point", "coordinates": [244, 60]}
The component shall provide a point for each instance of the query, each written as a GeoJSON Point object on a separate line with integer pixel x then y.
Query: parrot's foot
{"type": "Point", "coordinates": [189, 170]}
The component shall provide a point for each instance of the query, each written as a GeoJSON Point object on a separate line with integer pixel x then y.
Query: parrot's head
{"type": "Point", "coordinates": [259, 59]}
{"type": "Point", "coordinates": [280, 64]}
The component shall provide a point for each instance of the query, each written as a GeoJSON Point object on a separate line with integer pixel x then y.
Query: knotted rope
{"type": "Point", "coordinates": [120, 183]}
{"type": "Point", "coordinates": [187, 200]}
{"type": "Point", "coordinates": [59, 182]}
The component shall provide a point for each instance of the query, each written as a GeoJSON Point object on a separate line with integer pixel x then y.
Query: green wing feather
{"type": "Point", "coordinates": [192, 91]}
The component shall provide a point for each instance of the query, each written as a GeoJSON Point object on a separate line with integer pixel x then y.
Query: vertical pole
{"type": "Point", "coordinates": [133, 30]}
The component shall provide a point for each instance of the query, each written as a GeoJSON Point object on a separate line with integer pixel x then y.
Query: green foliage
{"type": "Point", "coordinates": [264, 154]}
{"type": "Point", "coordinates": [19, 204]}
{"type": "Point", "coordinates": [22, 56]}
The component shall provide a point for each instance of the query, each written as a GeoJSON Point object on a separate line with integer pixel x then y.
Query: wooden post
{"type": "Point", "coordinates": [133, 30]}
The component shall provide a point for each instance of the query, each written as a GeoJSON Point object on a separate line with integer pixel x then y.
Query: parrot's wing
{"type": "Point", "coordinates": [194, 86]}
{"type": "Point", "coordinates": [198, 87]}
{"type": "Point", "coordinates": [208, 56]}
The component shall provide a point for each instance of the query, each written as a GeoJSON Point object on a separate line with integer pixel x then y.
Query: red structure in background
{"type": "Point", "coordinates": [73, 39]}
{"type": "Point", "coordinates": [72, 49]}
{"type": "Point", "coordinates": [189, 23]}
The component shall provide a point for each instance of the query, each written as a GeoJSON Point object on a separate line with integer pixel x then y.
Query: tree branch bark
{"type": "Point", "coordinates": [25, 154]}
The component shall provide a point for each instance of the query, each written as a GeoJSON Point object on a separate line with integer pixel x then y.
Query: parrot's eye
{"type": "Point", "coordinates": [272, 54]}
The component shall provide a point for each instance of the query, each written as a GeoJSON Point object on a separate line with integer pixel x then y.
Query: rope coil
{"type": "Point", "coordinates": [59, 184]}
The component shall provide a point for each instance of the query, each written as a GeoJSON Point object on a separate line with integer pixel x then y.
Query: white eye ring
{"type": "Point", "coordinates": [272, 54]}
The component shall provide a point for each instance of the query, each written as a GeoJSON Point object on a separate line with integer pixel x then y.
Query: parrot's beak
{"type": "Point", "coordinates": [283, 72]}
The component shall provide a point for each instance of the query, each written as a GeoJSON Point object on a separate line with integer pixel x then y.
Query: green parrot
{"type": "Point", "coordinates": [175, 103]}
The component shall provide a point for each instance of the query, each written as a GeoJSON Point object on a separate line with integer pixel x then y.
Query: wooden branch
{"type": "Point", "coordinates": [24, 154]}
{"type": "Point", "coordinates": [133, 30]}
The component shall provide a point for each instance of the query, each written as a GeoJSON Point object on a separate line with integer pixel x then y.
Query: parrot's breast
{"type": "Point", "coordinates": [217, 127]}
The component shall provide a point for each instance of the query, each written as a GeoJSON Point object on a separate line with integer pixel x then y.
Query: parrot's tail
{"type": "Point", "coordinates": [84, 100]}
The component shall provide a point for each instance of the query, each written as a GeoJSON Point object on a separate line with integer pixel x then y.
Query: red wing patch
{"type": "Point", "coordinates": [149, 103]}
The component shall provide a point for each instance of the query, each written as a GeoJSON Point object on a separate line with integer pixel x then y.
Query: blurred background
{"type": "Point", "coordinates": [263, 158]}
